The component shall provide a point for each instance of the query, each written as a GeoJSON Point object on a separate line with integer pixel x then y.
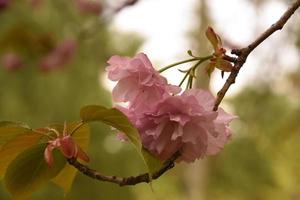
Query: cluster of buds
{"type": "Point", "coordinates": [66, 144]}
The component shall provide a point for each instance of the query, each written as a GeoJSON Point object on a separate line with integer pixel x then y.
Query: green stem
{"type": "Point", "coordinates": [177, 63]}
{"type": "Point", "coordinates": [189, 83]}
{"type": "Point", "coordinates": [202, 59]}
{"type": "Point", "coordinates": [185, 76]}
{"type": "Point", "coordinates": [78, 126]}
{"type": "Point", "coordinates": [192, 69]}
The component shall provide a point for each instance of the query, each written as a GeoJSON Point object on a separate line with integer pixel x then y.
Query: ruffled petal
{"type": "Point", "coordinates": [125, 90]}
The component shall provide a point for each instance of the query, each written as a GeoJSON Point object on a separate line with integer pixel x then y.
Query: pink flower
{"type": "Point", "coordinates": [4, 4]}
{"type": "Point", "coordinates": [67, 147]}
{"type": "Point", "coordinates": [12, 61]}
{"type": "Point", "coordinates": [185, 123]}
{"type": "Point", "coordinates": [87, 6]}
{"type": "Point", "coordinates": [60, 56]}
{"type": "Point", "coordinates": [36, 3]}
{"type": "Point", "coordinates": [138, 82]}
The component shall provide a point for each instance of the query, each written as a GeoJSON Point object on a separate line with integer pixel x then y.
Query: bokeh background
{"type": "Point", "coordinates": [53, 54]}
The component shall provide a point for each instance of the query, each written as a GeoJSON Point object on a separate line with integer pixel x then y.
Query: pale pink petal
{"type": "Point", "coordinates": [178, 132]}
{"type": "Point", "coordinates": [48, 155]}
{"type": "Point", "coordinates": [192, 133]}
{"type": "Point", "coordinates": [117, 68]}
{"type": "Point", "coordinates": [224, 117]}
{"type": "Point", "coordinates": [164, 138]}
{"type": "Point", "coordinates": [122, 137]}
{"type": "Point", "coordinates": [171, 148]}
{"type": "Point", "coordinates": [216, 144]}
{"type": "Point", "coordinates": [205, 98]}
{"type": "Point", "coordinates": [144, 58]}
{"type": "Point", "coordinates": [173, 89]}
{"type": "Point", "coordinates": [125, 90]}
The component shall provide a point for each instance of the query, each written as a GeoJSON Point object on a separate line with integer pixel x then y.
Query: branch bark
{"type": "Point", "coordinates": [242, 54]}
{"type": "Point", "coordinates": [122, 181]}
{"type": "Point", "coordinates": [125, 4]}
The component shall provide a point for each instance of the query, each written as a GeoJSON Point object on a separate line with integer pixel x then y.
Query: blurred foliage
{"type": "Point", "coordinates": [261, 161]}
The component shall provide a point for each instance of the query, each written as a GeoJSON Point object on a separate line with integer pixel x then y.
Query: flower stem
{"type": "Point", "coordinates": [177, 63]}
{"type": "Point", "coordinates": [185, 61]}
{"type": "Point", "coordinates": [192, 70]}
{"type": "Point", "coordinates": [78, 126]}
{"type": "Point", "coordinates": [185, 76]}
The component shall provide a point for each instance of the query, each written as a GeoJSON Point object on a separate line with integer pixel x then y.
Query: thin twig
{"type": "Point", "coordinates": [125, 4]}
{"type": "Point", "coordinates": [122, 181]}
{"type": "Point", "coordinates": [244, 52]}
{"type": "Point", "coordinates": [78, 126]}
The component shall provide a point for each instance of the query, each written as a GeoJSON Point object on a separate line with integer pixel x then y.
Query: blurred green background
{"type": "Point", "coordinates": [53, 55]}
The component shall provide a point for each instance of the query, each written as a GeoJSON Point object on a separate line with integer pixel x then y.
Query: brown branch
{"type": "Point", "coordinates": [122, 181]}
{"type": "Point", "coordinates": [125, 4]}
{"type": "Point", "coordinates": [244, 52]}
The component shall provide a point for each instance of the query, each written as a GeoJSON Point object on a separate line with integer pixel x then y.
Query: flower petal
{"type": "Point", "coordinates": [82, 155]}
{"type": "Point", "coordinates": [68, 147]}
{"type": "Point", "coordinates": [48, 155]}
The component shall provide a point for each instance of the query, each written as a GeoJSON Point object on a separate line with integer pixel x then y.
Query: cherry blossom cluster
{"type": "Point", "coordinates": [168, 119]}
{"type": "Point", "coordinates": [57, 58]}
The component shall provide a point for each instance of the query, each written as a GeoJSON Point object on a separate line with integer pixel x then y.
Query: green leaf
{"type": "Point", "coordinates": [10, 123]}
{"type": "Point", "coordinates": [14, 138]}
{"type": "Point", "coordinates": [118, 120]}
{"type": "Point", "coordinates": [153, 164]}
{"type": "Point", "coordinates": [29, 171]}
{"type": "Point", "coordinates": [12, 148]}
{"type": "Point", "coordinates": [112, 117]}
{"type": "Point", "coordinates": [10, 130]}
{"type": "Point", "coordinates": [66, 177]}
{"type": "Point", "coordinates": [213, 38]}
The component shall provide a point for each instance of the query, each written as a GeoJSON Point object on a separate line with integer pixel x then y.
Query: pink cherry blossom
{"type": "Point", "coordinates": [67, 146]}
{"type": "Point", "coordinates": [12, 61]}
{"type": "Point", "coordinates": [184, 122]}
{"type": "Point", "coordinates": [88, 6]}
{"type": "Point", "coordinates": [138, 82]}
{"type": "Point", "coordinates": [4, 4]}
{"type": "Point", "coordinates": [60, 56]}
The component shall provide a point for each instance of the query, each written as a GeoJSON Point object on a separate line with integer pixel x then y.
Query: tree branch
{"type": "Point", "coordinates": [122, 181]}
{"type": "Point", "coordinates": [244, 52]}
{"type": "Point", "coordinates": [125, 4]}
